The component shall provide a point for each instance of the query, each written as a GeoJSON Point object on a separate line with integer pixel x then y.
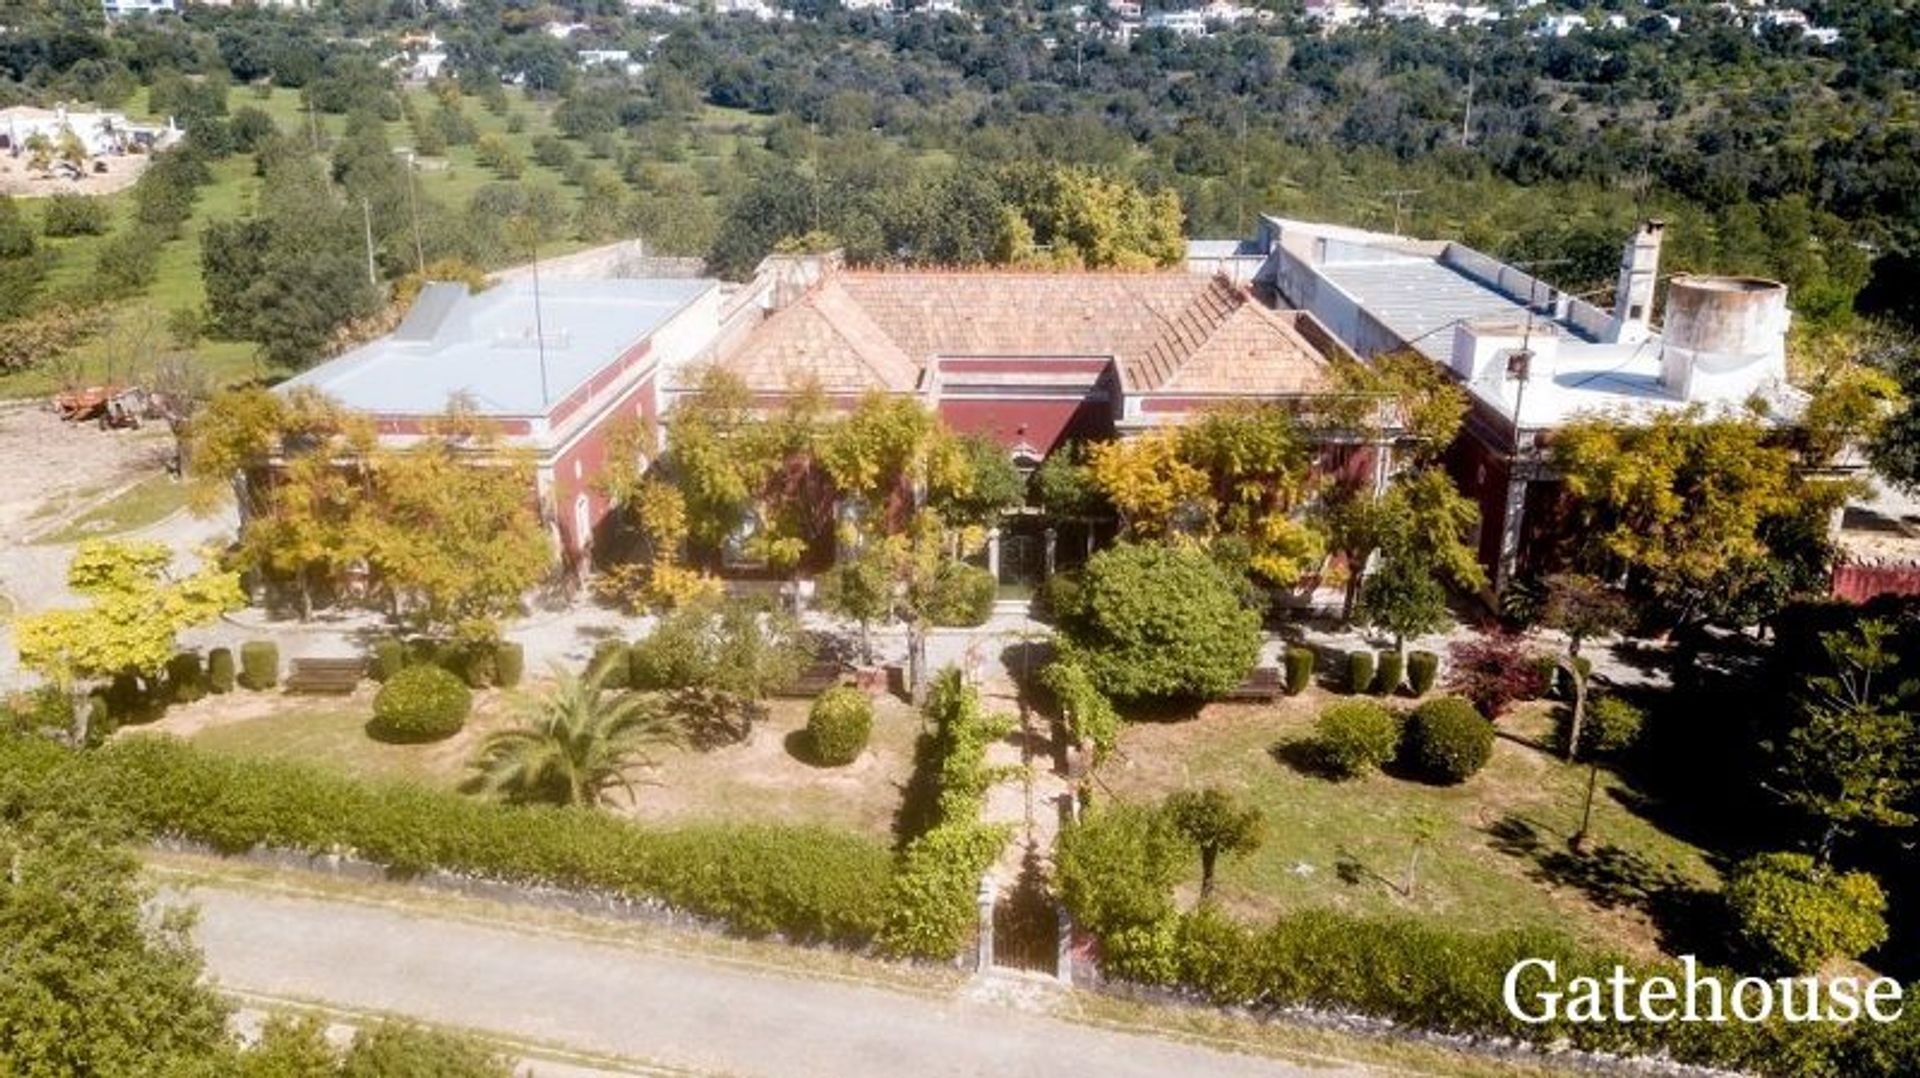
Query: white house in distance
{"type": "Point", "coordinates": [101, 133]}
{"type": "Point", "coordinates": [116, 9]}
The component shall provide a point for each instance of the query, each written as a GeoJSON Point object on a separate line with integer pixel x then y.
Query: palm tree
{"type": "Point", "coordinates": [578, 744]}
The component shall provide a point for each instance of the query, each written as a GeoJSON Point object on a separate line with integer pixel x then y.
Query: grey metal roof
{"type": "Point", "coordinates": [1422, 299]}
{"type": "Point", "coordinates": [484, 346]}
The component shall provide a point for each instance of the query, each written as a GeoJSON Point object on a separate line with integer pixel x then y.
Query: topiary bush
{"type": "Point", "coordinates": [1392, 665]}
{"type": "Point", "coordinates": [1352, 737]}
{"type": "Point", "coordinates": [1423, 669]}
{"type": "Point", "coordinates": [1159, 622]}
{"type": "Point", "coordinates": [614, 657]}
{"type": "Point", "coordinates": [259, 665]}
{"type": "Point", "coordinates": [420, 703]}
{"type": "Point", "coordinates": [963, 596]}
{"type": "Point", "coordinates": [186, 681]}
{"type": "Point", "coordinates": [1795, 915]}
{"type": "Point", "coordinates": [509, 664]}
{"type": "Point", "coordinates": [473, 662]}
{"type": "Point", "coordinates": [1447, 740]}
{"type": "Point", "coordinates": [1359, 671]}
{"type": "Point", "coordinates": [1299, 663]}
{"type": "Point", "coordinates": [839, 724]}
{"type": "Point", "coordinates": [388, 657]}
{"type": "Point", "coordinates": [220, 670]}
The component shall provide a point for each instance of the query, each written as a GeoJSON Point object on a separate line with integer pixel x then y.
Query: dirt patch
{"type": "Point", "coordinates": [55, 469]}
{"type": "Point", "coordinates": [118, 174]}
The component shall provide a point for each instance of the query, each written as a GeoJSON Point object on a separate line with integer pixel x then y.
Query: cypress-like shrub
{"type": "Point", "coordinates": [839, 724]}
{"type": "Point", "coordinates": [1352, 737]}
{"type": "Point", "coordinates": [509, 664]}
{"type": "Point", "coordinates": [420, 703]}
{"type": "Point", "coordinates": [220, 670]}
{"type": "Point", "coordinates": [186, 681]}
{"type": "Point", "coordinates": [615, 657]}
{"type": "Point", "coordinates": [1423, 669]}
{"type": "Point", "coordinates": [259, 665]}
{"type": "Point", "coordinates": [1447, 740]}
{"type": "Point", "coordinates": [1299, 670]}
{"type": "Point", "coordinates": [389, 657]}
{"type": "Point", "coordinates": [1392, 664]}
{"type": "Point", "coordinates": [1359, 671]}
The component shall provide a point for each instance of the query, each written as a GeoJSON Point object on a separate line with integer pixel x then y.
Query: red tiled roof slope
{"type": "Point", "coordinates": [1166, 331]}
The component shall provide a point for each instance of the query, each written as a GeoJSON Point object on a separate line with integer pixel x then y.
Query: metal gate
{"type": "Point", "coordinates": [1026, 927]}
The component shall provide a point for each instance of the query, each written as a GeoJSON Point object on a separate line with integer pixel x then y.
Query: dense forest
{"type": "Point", "coordinates": [911, 138]}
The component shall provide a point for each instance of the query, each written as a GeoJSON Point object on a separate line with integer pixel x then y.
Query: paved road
{"type": "Point", "coordinates": [675, 1010]}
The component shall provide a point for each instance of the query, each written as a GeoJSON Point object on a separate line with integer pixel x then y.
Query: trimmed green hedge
{"type": "Point", "coordinates": [186, 681]}
{"type": "Point", "coordinates": [810, 884]}
{"type": "Point", "coordinates": [1353, 737]}
{"type": "Point", "coordinates": [259, 665]}
{"type": "Point", "coordinates": [1423, 669]}
{"type": "Point", "coordinates": [1359, 671]}
{"type": "Point", "coordinates": [838, 725]}
{"type": "Point", "coordinates": [220, 670]}
{"type": "Point", "coordinates": [1299, 670]}
{"type": "Point", "coordinates": [420, 703]}
{"type": "Point", "coordinates": [1392, 666]}
{"type": "Point", "coordinates": [388, 657]}
{"type": "Point", "coordinates": [1447, 741]}
{"type": "Point", "coordinates": [1118, 870]}
{"type": "Point", "coordinates": [963, 596]}
{"type": "Point", "coordinates": [930, 903]}
{"type": "Point", "coordinates": [509, 664]}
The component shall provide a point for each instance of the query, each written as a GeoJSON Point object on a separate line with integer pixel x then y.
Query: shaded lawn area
{"type": "Point", "coordinates": [1499, 858]}
{"type": "Point", "coordinates": [761, 779]}
{"type": "Point", "coordinates": [147, 502]}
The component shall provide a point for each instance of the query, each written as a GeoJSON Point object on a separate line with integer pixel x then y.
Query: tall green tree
{"type": "Point", "coordinates": [1216, 824]}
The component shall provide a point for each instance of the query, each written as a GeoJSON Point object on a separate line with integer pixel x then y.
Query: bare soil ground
{"type": "Point", "coordinates": [17, 179]}
{"type": "Point", "coordinates": [53, 469]}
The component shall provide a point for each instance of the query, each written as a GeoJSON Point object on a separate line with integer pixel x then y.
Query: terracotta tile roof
{"type": "Point", "coordinates": [1165, 331]}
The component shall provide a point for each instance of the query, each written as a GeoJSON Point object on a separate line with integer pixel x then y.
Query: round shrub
{"type": "Point", "coordinates": [220, 670]}
{"type": "Point", "coordinates": [1387, 681]}
{"type": "Point", "coordinates": [473, 662]}
{"type": "Point", "coordinates": [389, 658]}
{"type": "Point", "coordinates": [1447, 740]}
{"type": "Point", "coordinates": [1795, 915]}
{"type": "Point", "coordinates": [420, 703]}
{"type": "Point", "coordinates": [1355, 736]}
{"type": "Point", "coordinates": [839, 724]}
{"type": "Point", "coordinates": [1423, 669]}
{"type": "Point", "coordinates": [963, 596]}
{"type": "Point", "coordinates": [1159, 622]}
{"type": "Point", "coordinates": [1299, 670]}
{"type": "Point", "coordinates": [1359, 671]}
{"type": "Point", "coordinates": [259, 665]}
{"type": "Point", "coordinates": [509, 664]}
{"type": "Point", "coordinates": [1562, 683]}
{"type": "Point", "coordinates": [186, 681]}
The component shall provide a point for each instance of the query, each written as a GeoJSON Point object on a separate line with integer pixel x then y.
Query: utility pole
{"type": "Point", "coordinates": [1399, 200]}
{"type": "Point", "coordinates": [539, 325]}
{"type": "Point", "coordinates": [366, 215]}
{"type": "Point", "coordinates": [1466, 120]}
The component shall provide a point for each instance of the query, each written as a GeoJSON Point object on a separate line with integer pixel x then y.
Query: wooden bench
{"type": "Point", "coordinates": [814, 680]}
{"type": "Point", "coordinates": [337, 676]}
{"type": "Point", "coordinates": [1263, 686]}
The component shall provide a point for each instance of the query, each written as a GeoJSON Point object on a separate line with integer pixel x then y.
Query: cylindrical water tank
{"type": "Point", "coordinates": [1725, 322]}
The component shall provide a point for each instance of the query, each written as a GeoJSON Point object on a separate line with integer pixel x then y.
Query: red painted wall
{"type": "Point", "coordinates": [589, 452]}
{"type": "Point", "coordinates": [1858, 583]}
{"type": "Point", "coordinates": [1041, 423]}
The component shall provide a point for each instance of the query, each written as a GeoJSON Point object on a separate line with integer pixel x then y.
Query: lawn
{"type": "Point", "coordinates": [1498, 859]}
{"type": "Point", "coordinates": [761, 779]}
{"type": "Point", "coordinates": [147, 502]}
